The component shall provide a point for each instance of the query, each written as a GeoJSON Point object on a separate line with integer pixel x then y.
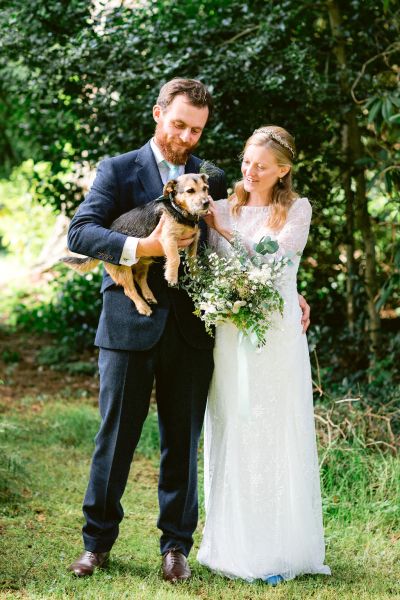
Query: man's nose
{"type": "Point", "coordinates": [185, 135]}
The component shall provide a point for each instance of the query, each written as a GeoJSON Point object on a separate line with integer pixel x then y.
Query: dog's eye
{"type": "Point", "coordinates": [205, 188]}
{"type": "Point", "coordinates": [190, 191]}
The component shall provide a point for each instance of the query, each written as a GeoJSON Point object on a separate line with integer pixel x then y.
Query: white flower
{"type": "Point", "coordinates": [238, 305]}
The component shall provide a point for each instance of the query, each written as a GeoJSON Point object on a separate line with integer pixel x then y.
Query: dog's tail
{"type": "Point", "coordinates": [82, 265]}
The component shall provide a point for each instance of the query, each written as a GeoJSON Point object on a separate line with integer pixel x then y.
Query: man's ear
{"type": "Point", "coordinates": [170, 187]}
{"type": "Point", "coordinates": [204, 177]}
{"type": "Point", "coordinates": [156, 112]}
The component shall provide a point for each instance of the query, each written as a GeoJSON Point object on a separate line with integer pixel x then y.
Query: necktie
{"type": "Point", "coordinates": [173, 170]}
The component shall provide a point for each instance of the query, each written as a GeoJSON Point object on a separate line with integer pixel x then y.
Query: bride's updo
{"type": "Point", "coordinates": [281, 143]}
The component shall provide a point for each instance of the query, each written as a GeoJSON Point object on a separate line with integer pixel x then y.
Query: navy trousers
{"type": "Point", "coordinates": [182, 375]}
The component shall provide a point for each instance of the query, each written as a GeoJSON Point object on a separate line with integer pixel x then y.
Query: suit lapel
{"type": "Point", "coordinates": [192, 165]}
{"type": "Point", "coordinates": [148, 174]}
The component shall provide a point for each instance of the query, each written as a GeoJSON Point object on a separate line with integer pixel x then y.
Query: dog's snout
{"type": "Point", "coordinates": [206, 203]}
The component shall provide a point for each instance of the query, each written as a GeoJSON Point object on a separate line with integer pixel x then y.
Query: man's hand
{"type": "Point", "coordinates": [151, 245]}
{"type": "Point", "coordinates": [305, 309]}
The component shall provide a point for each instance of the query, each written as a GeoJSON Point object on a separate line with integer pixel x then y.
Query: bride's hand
{"type": "Point", "coordinates": [211, 217]}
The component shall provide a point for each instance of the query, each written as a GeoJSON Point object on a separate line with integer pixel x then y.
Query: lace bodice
{"type": "Point", "coordinates": [251, 223]}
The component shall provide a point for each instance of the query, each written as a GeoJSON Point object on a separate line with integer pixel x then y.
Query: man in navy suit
{"type": "Point", "coordinates": [171, 346]}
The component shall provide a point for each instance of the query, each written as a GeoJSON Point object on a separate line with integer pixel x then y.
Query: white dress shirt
{"type": "Point", "coordinates": [128, 256]}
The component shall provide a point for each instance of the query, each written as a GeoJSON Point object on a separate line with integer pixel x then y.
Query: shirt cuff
{"type": "Point", "coordinates": [128, 256]}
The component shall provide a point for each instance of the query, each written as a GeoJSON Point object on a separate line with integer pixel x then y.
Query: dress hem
{"type": "Point", "coordinates": [322, 570]}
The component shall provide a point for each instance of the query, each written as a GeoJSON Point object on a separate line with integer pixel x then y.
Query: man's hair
{"type": "Point", "coordinates": [195, 91]}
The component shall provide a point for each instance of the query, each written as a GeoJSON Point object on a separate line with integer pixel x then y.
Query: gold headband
{"type": "Point", "coordinates": [276, 137]}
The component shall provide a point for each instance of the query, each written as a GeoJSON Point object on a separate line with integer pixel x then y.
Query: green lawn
{"type": "Point", "coordinates": [46, 446]}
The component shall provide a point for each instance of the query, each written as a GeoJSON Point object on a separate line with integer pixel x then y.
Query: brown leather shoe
{"type": "Point", "coordinates": [88, 562]}
{"type": "Point", "coordinates": [175, 566]}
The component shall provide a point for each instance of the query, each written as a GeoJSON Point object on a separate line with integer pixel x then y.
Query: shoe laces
{"type": "Point", "coordinates": [175, 555]}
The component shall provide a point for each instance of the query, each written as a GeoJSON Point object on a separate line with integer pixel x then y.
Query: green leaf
{"type": "Point", "coordinates": [387, 109]}
{"type": "Point", "coordinates": [395, 99]}
{"type": "Point", "coordinates": [395, 119]}
{"type": "Point", "coordinates": [373, 111]}
{"type": "Point", "coordinates": [266, 246]}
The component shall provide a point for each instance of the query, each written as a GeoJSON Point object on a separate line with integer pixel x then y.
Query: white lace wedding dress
{"type": "Point", "coordinates": [262, 491]}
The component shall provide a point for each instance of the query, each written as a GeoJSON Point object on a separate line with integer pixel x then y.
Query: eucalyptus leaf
{"type": "Point", "coordinates": [266, 245]}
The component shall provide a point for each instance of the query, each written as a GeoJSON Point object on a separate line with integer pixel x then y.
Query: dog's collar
{"type": "Point", "coordinates": [183, 213]}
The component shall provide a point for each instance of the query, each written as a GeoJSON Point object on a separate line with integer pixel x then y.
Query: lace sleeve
{"type": "Point", "coordinates": [215, 241]}
{"type": "Point", "coordinates": [292, 238]}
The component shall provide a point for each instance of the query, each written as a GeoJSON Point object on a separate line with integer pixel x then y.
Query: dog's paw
{"type": "Point", "coordinates": [150, 299]}
{"type": "Point", "coordinates": [172, 280]}
{"type": "Point", "coordinates": [144, 309]}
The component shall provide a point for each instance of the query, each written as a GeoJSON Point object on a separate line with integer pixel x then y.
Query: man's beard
{"type": "Point", "coordinates": [174, 156]}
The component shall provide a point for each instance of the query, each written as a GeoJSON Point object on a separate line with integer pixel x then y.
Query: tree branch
{"type": "Point", "coordinates": [239, 35]}
{"type": "Point", "coordinates": [395, 47]}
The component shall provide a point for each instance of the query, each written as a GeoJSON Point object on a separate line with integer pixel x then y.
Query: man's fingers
{"type": "Point", "coordinates": [186, 241]}
{"type": "Point", "coordinates": [160, 224]}
{"type": "Point", "coordinates": [306, 312]}
{"type": "Point", "coordinates": [306, 325]}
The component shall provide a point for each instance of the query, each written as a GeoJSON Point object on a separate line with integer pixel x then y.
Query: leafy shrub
{"type": "Point", "coordinates": [52, 355]}
{"type": "Point", "coordinates": [80, 367]}
{"type": "Point", "coordinates": [10, 356]}
{"type": "Point", "coordinates": [340, 364]}
{"type": "Point", "coordinates": [24, 223]}
{"type": "Point", "coordinates": [70, 310]}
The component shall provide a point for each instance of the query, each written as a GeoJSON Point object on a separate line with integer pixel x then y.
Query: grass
{"type": "Point", "coordinates": [49, 442]}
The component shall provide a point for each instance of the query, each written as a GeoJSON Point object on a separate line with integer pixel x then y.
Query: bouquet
{"type": "Point", "coordinates": [238, 288]}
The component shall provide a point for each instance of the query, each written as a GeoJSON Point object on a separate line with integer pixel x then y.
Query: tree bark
{"type": "Point", "coordinates": [354, 152]}
{"type": "Point", "coordinates": [349, 235]}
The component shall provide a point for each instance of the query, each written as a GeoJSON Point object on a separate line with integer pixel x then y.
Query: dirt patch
{"type": "Point", "coordinates": [22, 376]}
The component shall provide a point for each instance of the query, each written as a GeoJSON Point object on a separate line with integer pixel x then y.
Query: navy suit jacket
{"type": "Point", "coordinates": [122, 183]}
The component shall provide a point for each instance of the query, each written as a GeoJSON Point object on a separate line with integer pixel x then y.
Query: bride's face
{"type": "Point", "coordinates": [260, 170]}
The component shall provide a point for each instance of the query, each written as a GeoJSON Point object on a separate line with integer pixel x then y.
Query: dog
{"type": "Point", "coordinates": [184, 201]}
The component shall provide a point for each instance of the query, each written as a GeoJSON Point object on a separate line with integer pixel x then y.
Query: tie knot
{"type": "Point", "coordinates": [173, 170]}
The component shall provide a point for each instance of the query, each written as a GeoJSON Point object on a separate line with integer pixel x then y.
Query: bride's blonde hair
{"type": "Point", "coordinates": [283, 148]}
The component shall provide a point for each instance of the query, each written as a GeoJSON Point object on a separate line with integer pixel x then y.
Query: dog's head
{"type": "Point", "coordinates": [190, 193]}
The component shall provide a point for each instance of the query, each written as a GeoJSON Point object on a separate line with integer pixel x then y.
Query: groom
{"type": "Point", "coordinates": [171, 346]}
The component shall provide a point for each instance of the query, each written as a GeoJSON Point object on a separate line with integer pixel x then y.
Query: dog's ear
{"type": "Point", "coordinates": [170, 188]}
{"type": "Point", "coordinates": [204, 177]}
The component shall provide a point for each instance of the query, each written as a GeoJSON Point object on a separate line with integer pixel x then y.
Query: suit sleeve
{"type": "Point", "coordinates": [220, 190]}
{"type": "Point", "coordinates": [88, 232]}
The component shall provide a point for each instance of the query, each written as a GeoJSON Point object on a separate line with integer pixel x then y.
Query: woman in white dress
{"type": "Point", "coordinates": [262, 491]}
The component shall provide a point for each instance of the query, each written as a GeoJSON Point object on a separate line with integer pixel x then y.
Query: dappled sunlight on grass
{"type": "Point", "coordinates": [41, 524]}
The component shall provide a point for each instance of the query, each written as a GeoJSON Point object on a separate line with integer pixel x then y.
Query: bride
{"type": "Point", "coordinates": [262, 491]}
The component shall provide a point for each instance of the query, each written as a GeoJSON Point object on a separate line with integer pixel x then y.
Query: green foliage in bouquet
{"type": "Point", "coordinates": [238, 288]}
{"type": "Point", "coordinates": [266, 246]}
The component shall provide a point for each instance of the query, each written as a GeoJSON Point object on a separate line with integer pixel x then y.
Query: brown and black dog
{"type": "Point", "coordinates": [183, 202]}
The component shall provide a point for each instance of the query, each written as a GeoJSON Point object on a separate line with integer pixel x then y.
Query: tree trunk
{"type": "Point", "coordinates": [354, 152]}
{"type": "Point", "coordinates": [349, 236]}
